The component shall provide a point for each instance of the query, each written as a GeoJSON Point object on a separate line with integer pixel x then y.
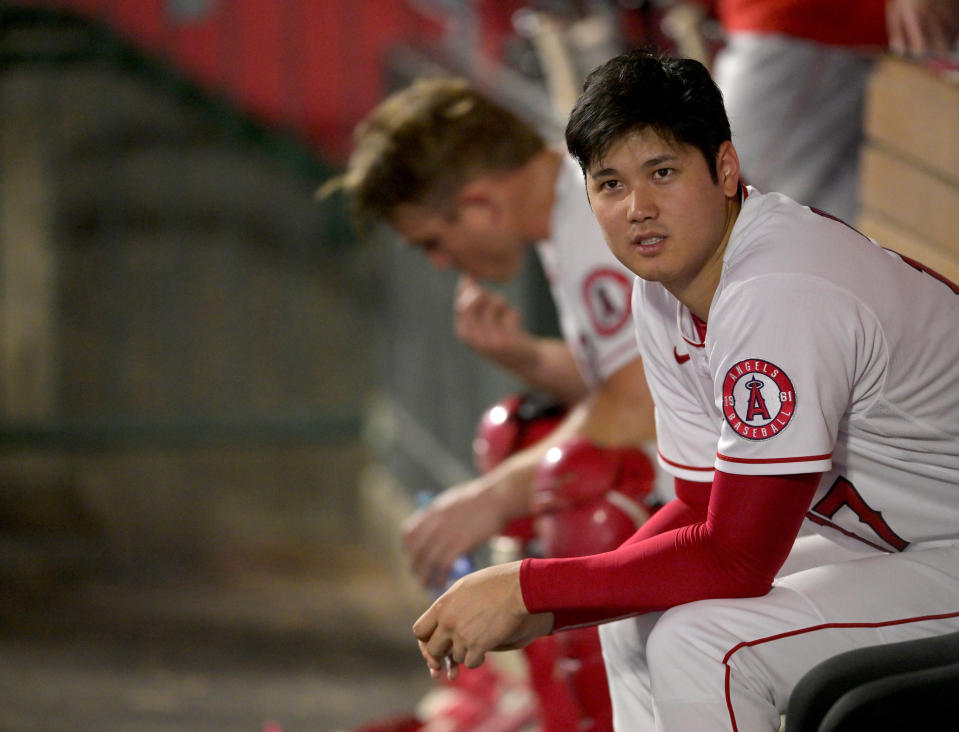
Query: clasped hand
{"type": "Point", "coordinates": [482, 612]}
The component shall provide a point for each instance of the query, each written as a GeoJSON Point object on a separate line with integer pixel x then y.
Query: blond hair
{"type": "Point", "coordinates": [422, 144]}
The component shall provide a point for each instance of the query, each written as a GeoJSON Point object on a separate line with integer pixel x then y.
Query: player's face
{"type": "Point", "coordinates": [468, 240]}
{"type": "Point", "coordinates": [661, 213]}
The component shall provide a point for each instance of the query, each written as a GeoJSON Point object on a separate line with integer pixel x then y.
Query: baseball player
{"type": "Point", "coordinates": [476, 189]}
{"type": "Point", "coordinates": [801, 374]}
{"type": "Point", "coordinates": [794, 74]}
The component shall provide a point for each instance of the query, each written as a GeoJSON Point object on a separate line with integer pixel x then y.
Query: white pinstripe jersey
{"type": "Point", "coordinates": [823, 353]}
{"type": "Point", "coordinates": [590, 287]}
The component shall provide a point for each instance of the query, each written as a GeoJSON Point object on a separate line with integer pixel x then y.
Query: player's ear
{"type": "Point", "coordinates": [480, 200]}
{"type": "Point", "coordinates": [727, 168]}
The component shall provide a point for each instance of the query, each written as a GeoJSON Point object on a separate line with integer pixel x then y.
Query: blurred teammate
{"type": "Point", "coordinates": [800, 373]}
{"type": "Point", "coordinates": [793, 75]}
{"type": "Point", "coordinates": [475, 189]}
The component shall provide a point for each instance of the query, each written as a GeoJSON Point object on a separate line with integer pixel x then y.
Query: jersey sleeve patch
{"type": "Point", "coordinates": [607, 294]}
{"type": "Point", "coordinates": [758, 399]}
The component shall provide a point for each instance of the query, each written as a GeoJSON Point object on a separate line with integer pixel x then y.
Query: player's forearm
{"type": "Point", "coordinates": [613, 415]}
{"type": "Point", "coordinates": [549, 365]}
{"type": "Point", "coordinates": [510, 484]}
{"type": "Point", "coordinates": [620, 410]}
{"type": "Point", "coordinates": [735, 552]}
{"type": "Point", "coordinates": [689, 507]}
{"type": "Point", "coordinates": [673, 568]}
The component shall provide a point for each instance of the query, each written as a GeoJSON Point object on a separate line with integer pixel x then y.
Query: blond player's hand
{"type": "Point", "coordinates": [482, 612]}
{"type": "Point", "coordinates": [922, 27]}
{"type": "Point", "coordinates": [487, 323]}
{"type": "Point", "coordinates": [457, 521]}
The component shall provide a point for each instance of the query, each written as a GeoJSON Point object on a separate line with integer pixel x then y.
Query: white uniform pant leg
{"type": "Point", "coordinates": [731, 664]}
{"type": "Point", "coordinates": [795, 108]}
{"type": "Point", "coordinates": [624, 641]}
{"type": "Point", "coordinates": [627, 673]}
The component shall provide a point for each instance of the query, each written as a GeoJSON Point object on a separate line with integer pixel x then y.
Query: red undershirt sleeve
{"type": "Point", "coordinates": [689, 507]}
{"type": "Point", "coordinates": [734, 550]}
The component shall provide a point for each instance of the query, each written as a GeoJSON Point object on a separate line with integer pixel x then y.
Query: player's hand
{"type": "Point", "coordinates": [458, 520]}
{"type": "Point", "coordinates": [922, 27]}
{"type": "Point", "coordinates": [482, 612]}
{"type": "Point", "coordinates": [487, 323]}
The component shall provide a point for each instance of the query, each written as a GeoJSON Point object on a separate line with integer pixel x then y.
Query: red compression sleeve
{"type": "Point", "coordinates": [689, 507]}
{"type": "Point", "coordinates": [750, 527]}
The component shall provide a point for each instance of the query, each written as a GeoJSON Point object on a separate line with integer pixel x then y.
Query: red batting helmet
{"type": "Point", "coordinates": [589, 499]}
{"type": "Point", "coordinates": [513, 424]}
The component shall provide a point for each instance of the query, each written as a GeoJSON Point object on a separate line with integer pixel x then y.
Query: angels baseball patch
{"type": "Point", "coordinates": [758, 399]}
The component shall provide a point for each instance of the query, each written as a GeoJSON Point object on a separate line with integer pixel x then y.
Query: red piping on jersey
{"type": "Point", "coordinates": [766, 461]}
{"type": "Point", "coordinates": [680, 465]}
{"type": "Point", "coordinates": [817, 519]}
{"type": "Point", "coordinates": [814, 628]}
{"type": "Point", "coordinates": [700, 326]}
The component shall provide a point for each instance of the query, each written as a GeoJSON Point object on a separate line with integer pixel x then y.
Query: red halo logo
{"type": "Point", "coordinates": [607, 294]}
{"type": "Point", "coordinates": [758, 399]}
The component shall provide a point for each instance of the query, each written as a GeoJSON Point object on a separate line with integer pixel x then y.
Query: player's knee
{"type": "Point", "coordinates": [626, 639]}
{"type": "Point", "coordinates": [667, 640]}
{"type": "Point", "coordinates": [613, 639]}
{"type": "Point", "coordinates": [684, 641]}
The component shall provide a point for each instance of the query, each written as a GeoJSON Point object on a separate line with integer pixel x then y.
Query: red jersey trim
{"type": "Point", "coordinates": [694, 344]}
{"type": "Point", "coordinates": [813, 629]}
{"type": "Point", "coordinates": [767, 461]}
{"type": "Point", "coordinates": [829, 524]}
{"type": "Point", "coordinates": [680, 465]}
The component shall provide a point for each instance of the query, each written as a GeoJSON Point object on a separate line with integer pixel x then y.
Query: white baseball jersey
{"type": "Point", "coordinates": [590, 287]}
{"type": "Point", "coordinates": [823, 353]}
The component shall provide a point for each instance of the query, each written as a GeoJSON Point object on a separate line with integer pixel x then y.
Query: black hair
{"type": "Point", "coordinates": [675, 97]}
